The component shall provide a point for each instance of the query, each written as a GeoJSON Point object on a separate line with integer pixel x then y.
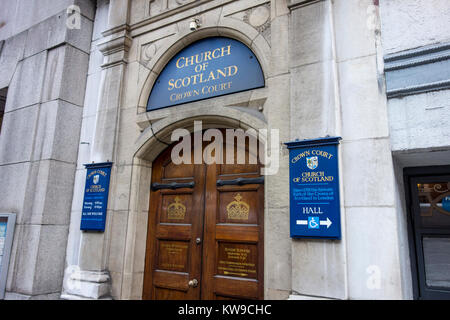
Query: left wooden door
{"type": "Point", "coordinates": [174, 243]}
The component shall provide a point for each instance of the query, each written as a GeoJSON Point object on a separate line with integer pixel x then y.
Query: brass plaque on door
{"type": "Point", "coordinates": [237, 260]}
{"type": "Point", "coordinates": [173, 255]}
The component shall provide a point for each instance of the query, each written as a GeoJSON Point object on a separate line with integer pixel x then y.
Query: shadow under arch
{"type": "Point", "coordinates": [157, 137]}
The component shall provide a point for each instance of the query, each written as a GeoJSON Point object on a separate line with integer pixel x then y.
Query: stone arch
{"type": "Point", "coordinates": [214, 116]}
{"type": "Point", "coordinates": [151, 143]}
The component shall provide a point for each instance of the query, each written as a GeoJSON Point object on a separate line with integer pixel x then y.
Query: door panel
{"type": "Point", "coordinates": [173, 255]}
{"type": "Point", "coordinates": [238, 206]}
{"type": "Point", "coordinates": [436, 251]}
{"type": "Point", "coordinates": [167, 294]}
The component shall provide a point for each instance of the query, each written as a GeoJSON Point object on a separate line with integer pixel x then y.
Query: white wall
{"type": "Point", "coordinates": [408, 24]}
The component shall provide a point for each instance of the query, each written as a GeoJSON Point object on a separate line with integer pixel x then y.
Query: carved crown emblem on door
{"type": "Point", "coordinates": [176, 210]}
{"type": "Point", "coordinates": [238, 209]}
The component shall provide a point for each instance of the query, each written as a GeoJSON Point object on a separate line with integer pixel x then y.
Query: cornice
{"type": "Point", "coordinates": [121, 42]}
{"type": "Point", "coordinates": [417, 70]}
{"type": "Point", "coordinates": [174, 15]}
{"type": "Point", "coordinates": [295, 4]}
{"type": "Point", "coordinates": [115, 49]}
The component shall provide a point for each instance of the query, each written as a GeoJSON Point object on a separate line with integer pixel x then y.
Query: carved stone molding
{"type": "Point", "coordinates": [257, 17]}
{"type": "Point", "coordinates": [87, 285]}
{"type": "Point", "coordinates": [418, 70]}
{"type": "Point", "coordinates": [157, 7]}
{"type": "Point", "coordinates": [115, 49]}
{"type": "Point", "coordinates": [150, 49]}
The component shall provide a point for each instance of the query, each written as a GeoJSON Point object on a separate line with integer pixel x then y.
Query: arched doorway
{"type": "Point", "coordinates": [205, 230]}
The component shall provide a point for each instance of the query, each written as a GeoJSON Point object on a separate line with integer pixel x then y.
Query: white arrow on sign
{"type": "Point", "coordinates": [322, 223]}
{"type": "Point", "coordinates": [326, 223]}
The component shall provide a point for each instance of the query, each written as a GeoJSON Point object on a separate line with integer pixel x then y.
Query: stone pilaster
{"type": "Point", "coordinates": [318, 266]}
{"type": "Point", "coordinates": [91, 280]}
{"type": "Point", "coordinates": [277, 241]}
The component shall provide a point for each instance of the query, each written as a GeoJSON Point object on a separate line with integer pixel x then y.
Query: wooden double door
{"type": "Point", "coordinates": [205, 233]}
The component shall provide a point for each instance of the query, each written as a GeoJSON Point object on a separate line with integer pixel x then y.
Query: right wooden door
{"type": "Point", "coordinates": [233, 253]}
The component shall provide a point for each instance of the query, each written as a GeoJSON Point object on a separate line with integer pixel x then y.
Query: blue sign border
{"type": "Point", "coordinates": [318, 219]}
{"type": "Point", "coordinates": [248, 76]}
{"type": "Point", "coordinates": [95, 203]}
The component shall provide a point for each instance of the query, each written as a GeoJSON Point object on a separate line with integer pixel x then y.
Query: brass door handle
{"type": "Point", "coordinates": [193, 283]}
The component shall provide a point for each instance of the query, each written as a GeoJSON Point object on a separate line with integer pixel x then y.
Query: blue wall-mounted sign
{"type": "Point", "coordinates": [207, 68]}
{"type": "Point", "coordinates": [95, 202]}
{"type": "Point", "coordinates": [314, 188]}
{"type": "Point", "coordinates": [446, 203]}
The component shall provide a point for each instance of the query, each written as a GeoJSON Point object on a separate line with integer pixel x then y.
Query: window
{"type": "Point", "coordinates": [3, 93]}
{"type": "Point", "coordinates": [429, 203]}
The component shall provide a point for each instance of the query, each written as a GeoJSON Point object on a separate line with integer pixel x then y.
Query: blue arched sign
{"type": "Point", "coordinates": [207, 68]}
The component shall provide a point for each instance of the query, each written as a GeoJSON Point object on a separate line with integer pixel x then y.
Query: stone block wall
{"type": "Point", "coordinates": [44, 65]}
{"type": "Point", "coordinates": [337, 89]}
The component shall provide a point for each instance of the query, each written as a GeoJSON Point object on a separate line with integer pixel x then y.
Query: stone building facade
{"type": "Point", "coordinates": [75, 79]}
